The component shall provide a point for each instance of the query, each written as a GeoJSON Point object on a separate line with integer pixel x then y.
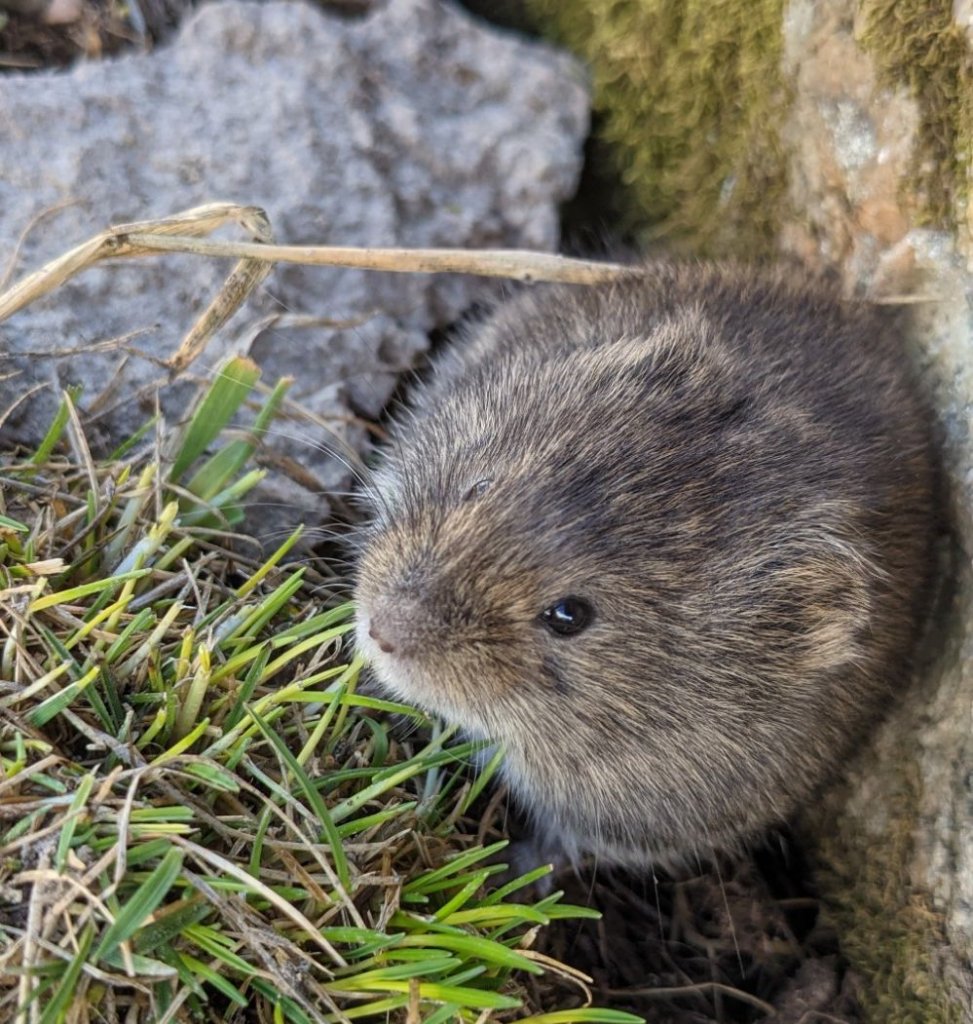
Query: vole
{"type": "Point", "coordinates": [669, 541]}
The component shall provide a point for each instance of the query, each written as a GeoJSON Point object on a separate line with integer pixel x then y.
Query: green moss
{"type": "Point", "coordinates": [688, 98]}
{"type": "Point", "coordinates": [917, 43]}
{"type": "Point", "coordinates": [888, 931]}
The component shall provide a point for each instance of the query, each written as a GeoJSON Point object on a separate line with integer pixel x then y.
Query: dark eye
{"type": "Point", "coordinates": [477, 489]}
{"type": "Point", "coordinates": [570, 615]}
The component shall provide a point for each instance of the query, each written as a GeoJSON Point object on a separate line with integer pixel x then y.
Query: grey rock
{"type": "Point", "coordinates": [413, 124]}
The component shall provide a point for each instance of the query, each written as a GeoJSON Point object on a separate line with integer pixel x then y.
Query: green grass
{"type": "Point", "coordinates": [202, 817]}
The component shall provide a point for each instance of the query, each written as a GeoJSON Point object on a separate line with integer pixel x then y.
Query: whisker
{"type": "Point", "coordinates": [358, 471]}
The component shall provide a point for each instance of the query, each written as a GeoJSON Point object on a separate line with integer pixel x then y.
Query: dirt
{"type": "Point", "coordinates": [739, 940]}
{"type": "Point", "coordinates": [101, 28]}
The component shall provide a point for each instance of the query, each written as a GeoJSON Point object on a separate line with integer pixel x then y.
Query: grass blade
{"type": "Point", "coordinates": [64, 995]}
{"type": "Point", "coordinates": [145, 899]}
{"type": "Point", "coordinates": [314, 799]}
{"type": "Point", "coordinates": [227, 393]}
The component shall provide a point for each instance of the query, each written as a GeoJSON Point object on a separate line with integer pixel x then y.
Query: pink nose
{"type": "Point", "coordinates": [383, 644]}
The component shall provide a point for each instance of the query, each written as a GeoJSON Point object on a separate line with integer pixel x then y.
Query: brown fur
{"type": "Point", "coordinates": [735, 471]}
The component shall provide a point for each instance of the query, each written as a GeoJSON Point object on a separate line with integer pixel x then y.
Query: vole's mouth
{"type": "Point", "coordinates": [392, 669]}
{"type": "Point", "coordinates": [364, 644]}
{"type": "Point", "coordinates": [406, 680]}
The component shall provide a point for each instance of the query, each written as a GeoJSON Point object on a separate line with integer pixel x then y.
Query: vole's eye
{"type": "Point", "coordinates": [477, 489]}
{"type": "Point", "coordinates": [570, 615]}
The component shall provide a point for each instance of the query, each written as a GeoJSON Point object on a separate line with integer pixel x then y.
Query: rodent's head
{"type": "Point", "coordinates": [495, 576]}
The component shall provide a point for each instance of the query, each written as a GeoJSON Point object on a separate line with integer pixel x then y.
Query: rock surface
{"type": "Point", "coordinates": [904, 867]}
{"type": "Point", "coordinates": [413, 124]}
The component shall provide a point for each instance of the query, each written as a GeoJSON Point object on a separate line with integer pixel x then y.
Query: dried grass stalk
{"type": "Point", "coordinates": [181, 233]}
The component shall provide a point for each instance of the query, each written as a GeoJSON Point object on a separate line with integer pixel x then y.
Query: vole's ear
{"type": "Point", "coordinates": [817, 595]}
{"type": "Point", "coordinates": [837, 612]}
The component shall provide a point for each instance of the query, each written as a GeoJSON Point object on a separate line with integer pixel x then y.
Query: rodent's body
{"type": "Point", "coordinates": [726, 480]}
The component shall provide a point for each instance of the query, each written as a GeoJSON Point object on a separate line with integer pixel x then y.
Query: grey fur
{"type": "Point", "coordinates": [736, 471]}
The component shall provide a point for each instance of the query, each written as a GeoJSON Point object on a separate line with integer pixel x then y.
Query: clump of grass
{"type": "Point", "coordinates": [201, 816]}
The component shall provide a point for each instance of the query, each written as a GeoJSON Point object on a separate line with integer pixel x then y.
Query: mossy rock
{"type": "Point", "coordinates": [888, 929]}
{"type": "Point", "coordinates": [689, 102]}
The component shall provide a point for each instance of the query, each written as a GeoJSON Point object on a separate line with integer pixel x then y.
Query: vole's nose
{"type": "Point", "coordinates": [393, 627]}
{"type": "Point", "coordinates": [402, 623]}
{"type": "Point", "coordinates": [384, 645]}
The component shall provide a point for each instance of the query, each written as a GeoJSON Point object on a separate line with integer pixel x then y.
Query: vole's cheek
{"type": "Point", "coordinates": [554, 676]}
